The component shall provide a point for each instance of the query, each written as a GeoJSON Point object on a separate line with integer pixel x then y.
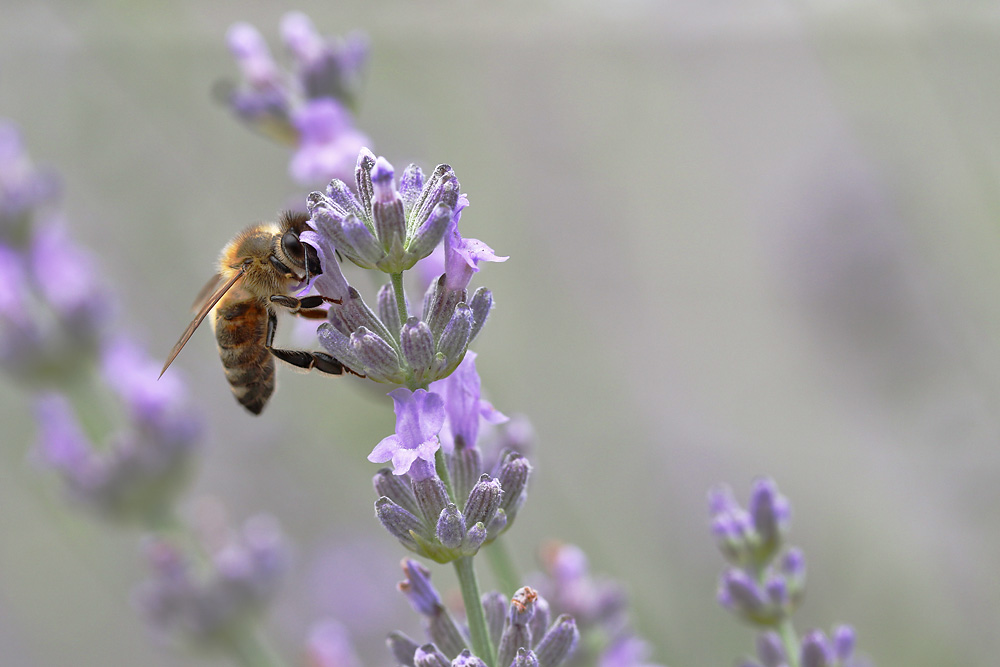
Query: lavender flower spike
{"type": "Point", "coordinates": [383, 228]}
{"type": "Point", "coordinates": [419, 417]}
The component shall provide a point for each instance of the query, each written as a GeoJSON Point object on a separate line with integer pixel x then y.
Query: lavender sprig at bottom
{"type": "Point", "coordinates": [765, 581]}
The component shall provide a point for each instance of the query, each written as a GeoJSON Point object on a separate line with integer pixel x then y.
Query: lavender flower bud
{"type": "Point", "coordinates": [540, 619]}
{"type": "Point", "coordinates": [474, 538]}
{"type": "Point", "coordinates": [739, 593]}
{"type": "Point", "coordinates": [525, 658]}
{"type": "Point", "coordinates": [495, 609]}
{"type": "Point", "coordinates": [513, 475]}
{"type": "Point", "coordinates": [466, 659]}
{"type": "Point", "coordinates": [403, 648]}
{"type": "Point", "coordinates": [363, 180]}
{"type": "Point", "coordinates": [432, 498]}
{"type": "Point", "coordinates": [428, 655]}
{"type": "Point", "coordinates": [464, 466]}
{"type": "Point", "coordinates": [483, 502]}
{"type": "Point", "coordinates": [451, 527]}
{"type": "Point", "coordinates": [428, 235]}
{"type": "Point", "coordinates": [455, 337]}
{"type": "Point", "coordinates": [771, 514]}
{"type": "Point", "coordinates": [388, 312]}
{"type": "Point", "coordinates": [517, 632]}
{"type": "Point", "coordinates": [379, 360]}
{"type": "Point", "coordinates": [396, 488]}
{"type": "Point", "coordinates": [558, 643]}
{"type": "Point", "coordinates": [770, 650]}
{"type": "Point", "coordinates": [497, 525]}
{"type": "Point", "coordinates": [439, 306]}
{"type": "Point", "coordinates": [401, 524]}
{"type": "Point", "coordinates": [417, 344]}
{"type": "Point", "coordinates": [816, 650]}
{"type": "Point", "coordinates": [418, 588]}
{"type": "Point", "coordinates": [445, 634]}
{"type": "Point", "coordinates": [441, 188]}
{"type": "Point", "coordinates": [844, 641]}
{"type": "Point", "coordinates": [411, 185]}
{"type": "Point", "coordinates": [481, 304]}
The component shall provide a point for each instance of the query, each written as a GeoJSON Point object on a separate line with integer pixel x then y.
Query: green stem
{"type": "Point", "coordinates": [397, 290]}
{"type": "Point", "coordinates": [508, 578]}
{"type": "Point", "coordinates": [790, 640]}
{"type": "Point", "coordinates": [481, 644]}
{"type": "Point", "coordinates": [248, 648]}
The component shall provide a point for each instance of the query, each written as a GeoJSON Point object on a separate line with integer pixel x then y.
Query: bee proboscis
{"type": "Point", "coordinates": [257, 271]}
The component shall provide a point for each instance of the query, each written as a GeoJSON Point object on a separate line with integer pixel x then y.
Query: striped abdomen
{"type": "Point", "coordinates": [241, 331]}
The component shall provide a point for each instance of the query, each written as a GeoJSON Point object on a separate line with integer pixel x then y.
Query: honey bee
{"type": "Point", "coordinates": [256, 272]}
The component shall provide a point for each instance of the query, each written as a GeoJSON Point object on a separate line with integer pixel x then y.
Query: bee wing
{"type": "Point", "coordinates": [205, 304]}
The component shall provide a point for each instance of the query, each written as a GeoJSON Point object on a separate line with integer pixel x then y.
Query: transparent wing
{"type": "Point", "coordinates": [205, 305]}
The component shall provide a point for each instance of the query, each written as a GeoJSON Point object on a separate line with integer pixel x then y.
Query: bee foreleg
{"type": "Point", "coordinates": [320, 361]}
{"type": "Point", "coordinates": [306, 306]}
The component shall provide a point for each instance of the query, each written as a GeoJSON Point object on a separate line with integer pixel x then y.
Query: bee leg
{"type": "Point", "coordinates": [320, 361]}
{"type": "Point", "coordinates": [305, 307]}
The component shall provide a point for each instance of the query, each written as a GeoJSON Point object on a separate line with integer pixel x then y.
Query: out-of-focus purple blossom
{"type": "Point", "coordinates": [751, 537]}
{"type": "Point", "coordinates": [419, 417]}
{"type": "Point", "coordinates": [766, 582]}
{"type": "Point", "coordinates": [139, 472]}
{"type": "Point", "coordinates": [190, 604]}
{"type": "Point", "coordinates": [307, 106]}
{"type": "Point", "coordinates": [23, 187]}
{"type": "Point", "coordinates": [438, 622]}
{"type": "Point", "coordinates": [330, 646]}
{"type": "Point", "coordinates": [598, 605]}
{"type": "Point", "coordinates": [328, 142]}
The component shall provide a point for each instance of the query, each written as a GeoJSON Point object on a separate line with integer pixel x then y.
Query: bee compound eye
{"type": "Point", "coordinates": [291, 245]}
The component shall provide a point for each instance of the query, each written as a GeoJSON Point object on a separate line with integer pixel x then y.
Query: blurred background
{"type": "Point", "coordinates": [745, 239]}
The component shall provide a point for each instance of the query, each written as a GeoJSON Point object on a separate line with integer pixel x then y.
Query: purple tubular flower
{"type": "Point", "coordinates": [462, 256]}
{"type": "Point", "coordinates": [464, 406]}
{"type": "Point", "coordinates": [329, 646]}
{"type": "Point", "coordinates": [419, 417]}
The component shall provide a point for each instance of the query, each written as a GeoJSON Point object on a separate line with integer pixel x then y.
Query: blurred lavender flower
{"type": "Point", "coordinates": [599, 606]}
{"type": "Point", "coordinates": [209, 604]}
{"type": "Point", "coordinates": [144, 465]}
{"type": "Point", "coordinates": [766, 580]}
{"type": "Point", "coordinates": [761, 587]}
{"type": "Point", "coordinates": [330, 646]}
{"type": "Point", "coordinates": [521, 630]}
{"type": "Point", "coordinates": [23, 187]}
{"type": "Point", "coordinates": [53, 307]}
{"type": "Point", "coordinates": [391, 230]}
{"type": "Point", "coordinates": [308, 107]}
